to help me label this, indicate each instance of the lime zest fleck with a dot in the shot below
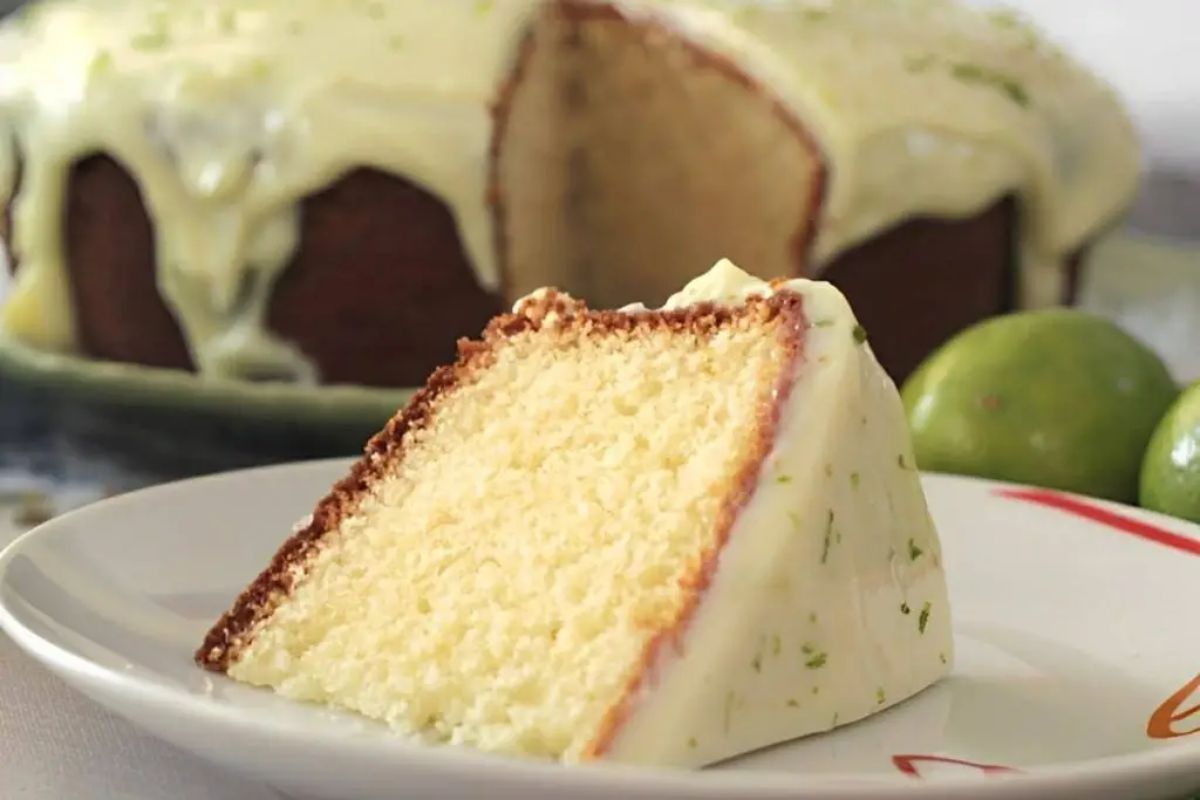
(793, 702)
(914, 552)
(968, 72)
(784, 478)
(923, 619)
(149, 40)
(880, 697)
(919, 62)
(817, 660)
(258, 68)
(692, 743)
(855, 478)
(904, 608)
(860, 334)
(100, 64)
(816, 690)
(1012, 20)
(823, 323)
(828, 537)
(776, 644)
(942, 657)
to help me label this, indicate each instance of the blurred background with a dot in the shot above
(1149, 278)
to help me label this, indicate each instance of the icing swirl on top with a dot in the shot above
(229, 112)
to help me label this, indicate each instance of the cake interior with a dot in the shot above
(627, 156)
(509, 574)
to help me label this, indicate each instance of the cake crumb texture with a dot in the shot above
(504, 579)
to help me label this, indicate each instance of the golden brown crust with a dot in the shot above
(259, 600)
(235, 629)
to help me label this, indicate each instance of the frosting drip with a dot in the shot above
(229, 112)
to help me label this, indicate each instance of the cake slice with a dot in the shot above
(659, 536)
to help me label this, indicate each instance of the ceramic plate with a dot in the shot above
(210, 424)
(1078, 672)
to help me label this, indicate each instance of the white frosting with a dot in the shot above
(804, 626)
(229, 112)
(725, 284)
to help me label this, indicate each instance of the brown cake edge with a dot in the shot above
(235, 629)
(768, 415)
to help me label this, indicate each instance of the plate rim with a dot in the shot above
(1178, 759)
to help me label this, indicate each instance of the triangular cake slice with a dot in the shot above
(660, 536)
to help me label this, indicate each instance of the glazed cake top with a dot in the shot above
(229, 112)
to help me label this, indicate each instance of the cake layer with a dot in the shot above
(658, 536)
(502, 580)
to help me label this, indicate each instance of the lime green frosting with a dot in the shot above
(228, 112)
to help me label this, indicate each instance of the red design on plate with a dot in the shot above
(1104, 516)
(908, 764)
(1162, 721)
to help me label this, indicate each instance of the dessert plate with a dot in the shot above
(1078, 670)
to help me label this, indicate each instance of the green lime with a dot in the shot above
(1171, 471)
(1056, 398)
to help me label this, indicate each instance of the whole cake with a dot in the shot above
(662, 536)
(334, 190)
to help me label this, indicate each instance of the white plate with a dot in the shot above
(1076, 627)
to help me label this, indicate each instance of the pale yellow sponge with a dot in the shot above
(664, 536)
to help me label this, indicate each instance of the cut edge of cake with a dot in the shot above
(384, 450)
(743, 664)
